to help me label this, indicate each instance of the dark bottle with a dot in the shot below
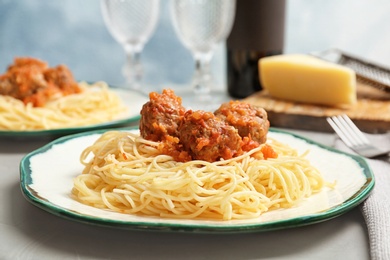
(258, 31)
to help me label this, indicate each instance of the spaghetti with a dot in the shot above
(127, 173)
(96, 103)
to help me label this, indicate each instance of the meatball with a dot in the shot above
(206, 137)
(62, 77)
(250, 121)
(161, 116)
(32, 81)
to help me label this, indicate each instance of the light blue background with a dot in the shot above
(72, 32)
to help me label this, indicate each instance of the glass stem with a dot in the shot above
(202, 78)
(132, 69)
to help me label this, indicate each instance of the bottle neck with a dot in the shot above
(258, 25)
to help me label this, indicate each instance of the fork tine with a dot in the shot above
(347, 130)
(353, 137)
(335, 125)
(360, 137)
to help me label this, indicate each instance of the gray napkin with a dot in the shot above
(376, 208)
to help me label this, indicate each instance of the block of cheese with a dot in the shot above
(307, 79)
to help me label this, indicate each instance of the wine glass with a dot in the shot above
(201, 25)
(131, 23)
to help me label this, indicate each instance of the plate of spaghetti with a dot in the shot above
(196, 171)
(38, 100)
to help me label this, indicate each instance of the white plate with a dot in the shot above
(48, 185)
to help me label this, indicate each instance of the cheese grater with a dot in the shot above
(367, 73)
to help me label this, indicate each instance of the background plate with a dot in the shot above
(132, 99)
(48, 186)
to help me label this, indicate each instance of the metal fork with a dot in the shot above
(353, 137)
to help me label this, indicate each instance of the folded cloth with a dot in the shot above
(376, 208)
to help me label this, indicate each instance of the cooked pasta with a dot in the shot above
(126, 173)
(95, 104)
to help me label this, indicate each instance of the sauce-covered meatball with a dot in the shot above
(33, 81)
(250, 121)
(206, 137)
(161, 116)
(233, 129)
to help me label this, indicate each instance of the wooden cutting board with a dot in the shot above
(371, 113)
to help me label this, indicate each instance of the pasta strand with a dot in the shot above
(95, 104)
(148, 183)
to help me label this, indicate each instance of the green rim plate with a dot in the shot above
(132, 99)
(48, 186)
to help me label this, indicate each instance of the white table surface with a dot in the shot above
(28, 232)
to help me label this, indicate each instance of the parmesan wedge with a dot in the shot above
(303, 78)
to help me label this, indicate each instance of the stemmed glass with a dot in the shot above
(201, 25)
(131, 23)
